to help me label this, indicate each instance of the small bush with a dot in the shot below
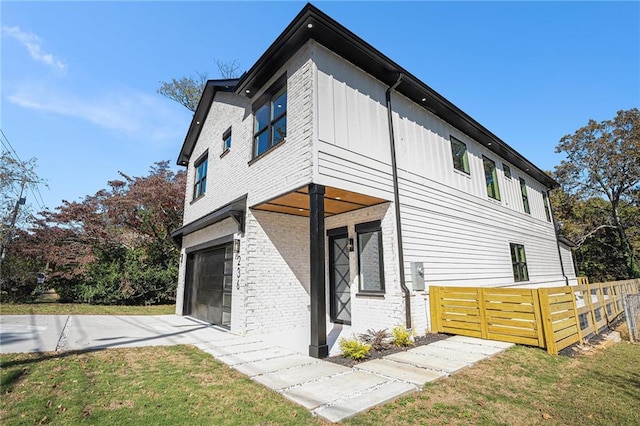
(378, 339)
(401, 337)
(352, 348)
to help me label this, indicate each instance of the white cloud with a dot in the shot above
(131, 112)
(33, 45)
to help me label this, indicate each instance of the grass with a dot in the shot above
(527, 386)
(143, 386)
(56, 308)
(181, 385)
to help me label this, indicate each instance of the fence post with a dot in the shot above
(434, 305)
(550, 340)
(577, 317)
(484, 329)
(538, 318)
(593, 310)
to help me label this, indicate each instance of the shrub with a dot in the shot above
(354, 349)
(378, 339)
(401, 337)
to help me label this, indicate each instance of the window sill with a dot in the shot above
(372, 295)
(225, 152)
(196, 199)
(273, 148)
(461, 173)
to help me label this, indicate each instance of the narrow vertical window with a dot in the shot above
(491, 178)
(270, 123)
(460, 155)
(370, 262)
(507, 171)
(200, 177)
(547, 210)
(519, 262)
(525, 197)
(226, 140)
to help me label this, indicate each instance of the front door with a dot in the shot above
(209, 278)
(339, 277)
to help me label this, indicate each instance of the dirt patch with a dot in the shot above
(116, 405)
(376, 354)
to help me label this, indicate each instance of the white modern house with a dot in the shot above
(328, 188)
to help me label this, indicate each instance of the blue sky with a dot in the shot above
(79, 79)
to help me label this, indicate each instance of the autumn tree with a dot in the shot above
(115, 246)
(187, 90)
(603, 163)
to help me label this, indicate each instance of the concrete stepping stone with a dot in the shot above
(466, 347)
(256, 368)
(298, 375)
(440, 352)
(387, 392)
(482, 342)
(241, 358)
(233, 341)
(314, 394)
(237, 349)
(401, 371)
(427, 361)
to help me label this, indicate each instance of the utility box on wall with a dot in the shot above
(417, 276)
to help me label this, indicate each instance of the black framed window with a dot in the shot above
(460, 155)
(491, 178)
(370, 260)
(270, 123)
(547, 211)
(519, 262)
(200, 176)
(507, 171)
(525, 197)
(226, 140)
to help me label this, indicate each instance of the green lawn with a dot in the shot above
(55, 308)
(182, 385)
(177, 385)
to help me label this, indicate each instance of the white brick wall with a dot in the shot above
(277, 280)
(286, 168)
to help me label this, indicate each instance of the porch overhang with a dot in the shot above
(336, 201)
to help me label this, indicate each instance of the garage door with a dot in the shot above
(209, 279)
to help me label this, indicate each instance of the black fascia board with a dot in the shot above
(200, 115)
(338, 39)
(235, 210)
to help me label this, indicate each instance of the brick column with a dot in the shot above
(318, 347)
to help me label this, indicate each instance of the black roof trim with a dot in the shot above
(567, 242)
(235, 210)
(200, 115)
(312, 23)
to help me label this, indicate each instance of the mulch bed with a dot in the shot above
(375, 354)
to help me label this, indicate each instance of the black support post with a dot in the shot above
(318, 347)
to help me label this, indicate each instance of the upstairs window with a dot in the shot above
(547, 210)
(507, 171)
(270, 126)
(200, 177)
(525, 198)
(226, 140)
(519, 262)
(491, 178)
(460, 156)
(370, 262)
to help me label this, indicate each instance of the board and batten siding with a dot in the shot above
(448, 222)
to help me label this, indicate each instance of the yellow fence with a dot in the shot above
(551, 318)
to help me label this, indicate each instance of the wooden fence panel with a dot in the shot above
(561, 327)
(513, 315)
(457, 310)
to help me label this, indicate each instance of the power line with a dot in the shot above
(17, 157)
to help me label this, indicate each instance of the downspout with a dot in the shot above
(555, 230)
(396, 201)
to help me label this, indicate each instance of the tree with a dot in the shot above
(187, 90)
(603, 160)
(115, 246)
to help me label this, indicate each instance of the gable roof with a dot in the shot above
(312, 23)
(200, 115)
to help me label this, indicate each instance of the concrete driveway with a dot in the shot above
(48, 333)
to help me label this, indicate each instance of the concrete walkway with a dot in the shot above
(335, 392)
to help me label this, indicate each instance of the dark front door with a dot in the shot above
(209, 278)
(339, 278)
